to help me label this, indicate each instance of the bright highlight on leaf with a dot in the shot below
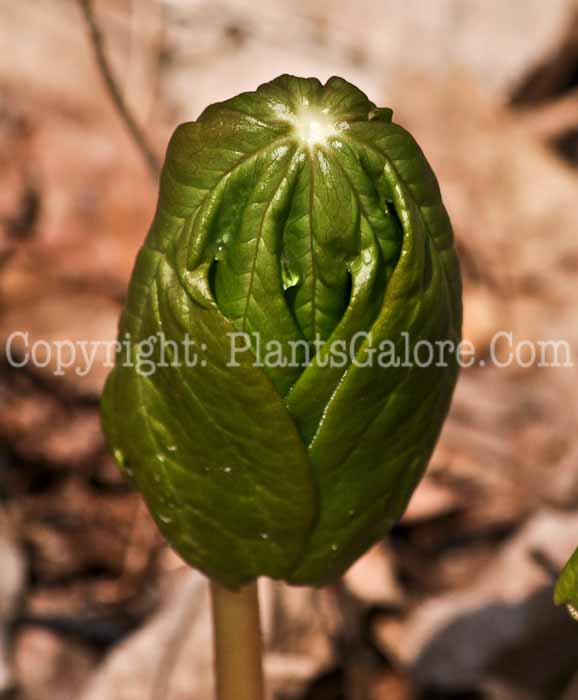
(292, 221)
(314, 127)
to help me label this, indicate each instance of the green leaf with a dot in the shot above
(566, 591)
(301, 215)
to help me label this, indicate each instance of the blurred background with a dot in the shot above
(457, 602)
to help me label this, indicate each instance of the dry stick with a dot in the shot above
(238, 643)
(118, 100)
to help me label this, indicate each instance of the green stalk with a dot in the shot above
(238, 644)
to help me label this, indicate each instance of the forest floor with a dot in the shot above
(457, 601)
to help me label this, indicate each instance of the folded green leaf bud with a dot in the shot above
(299, 271)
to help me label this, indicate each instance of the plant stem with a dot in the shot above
(238, 644)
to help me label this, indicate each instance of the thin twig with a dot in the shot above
(116, 96)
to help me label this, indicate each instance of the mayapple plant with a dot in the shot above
(566, 590)
(297, 221)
